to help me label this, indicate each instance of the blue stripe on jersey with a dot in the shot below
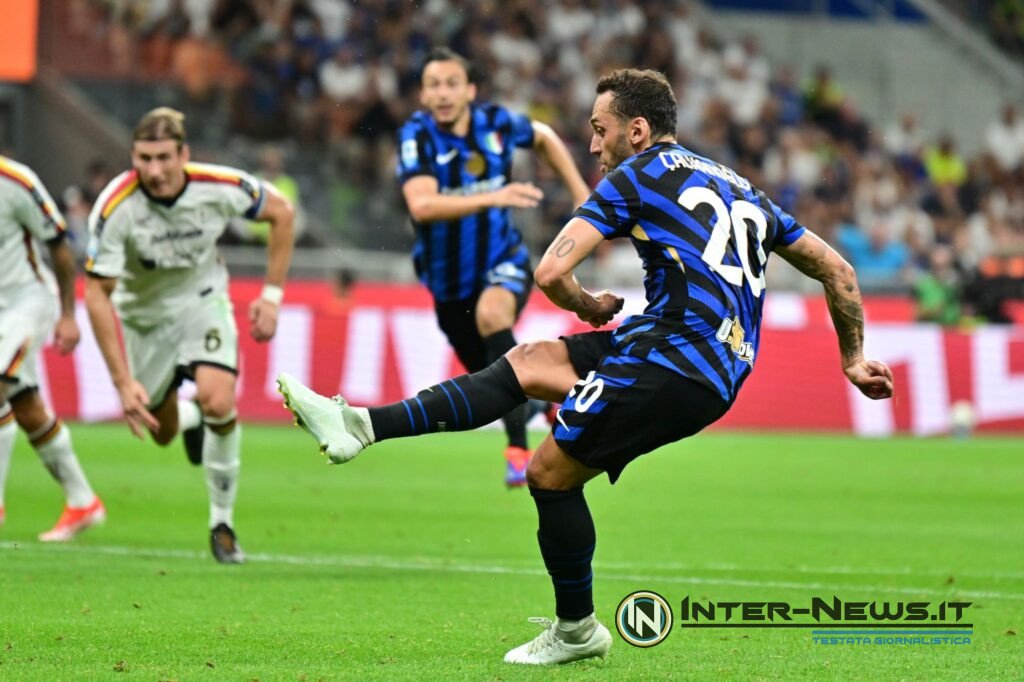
(617, 201)
(453, 256)
(687, 306)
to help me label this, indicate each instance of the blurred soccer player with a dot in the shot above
(29, 306)
(704, 235)
(455, 166)
(153, 257)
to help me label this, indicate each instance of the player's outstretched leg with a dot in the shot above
(458, 404)
(517, 452)
(341, 430)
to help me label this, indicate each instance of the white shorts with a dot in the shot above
(160, 357)
(24, 328)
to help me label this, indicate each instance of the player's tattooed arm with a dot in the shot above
(812, 256)
(555, 275)
(818, 260)
(562, 246)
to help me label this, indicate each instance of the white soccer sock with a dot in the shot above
(53, 444)
(575, 631)
(189, 416)
(8, 431)
(222, 460)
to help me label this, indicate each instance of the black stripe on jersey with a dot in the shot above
(452, 235)
(645, 344)
(728, 297)
(423, 145)
(483, 218)
(703, 347)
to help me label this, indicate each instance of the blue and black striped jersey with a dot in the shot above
(452, 256)
(704, 235)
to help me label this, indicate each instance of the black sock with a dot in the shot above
(496, 345)
(458, 404)
(566, 537)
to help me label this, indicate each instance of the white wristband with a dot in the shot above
(272, 293)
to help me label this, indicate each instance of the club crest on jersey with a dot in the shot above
(475, 165)
(731, 332)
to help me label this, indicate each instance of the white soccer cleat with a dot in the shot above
(339, 428)
(550, 647)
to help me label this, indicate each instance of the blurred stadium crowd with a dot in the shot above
(310, 93)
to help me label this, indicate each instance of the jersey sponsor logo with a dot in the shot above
(476, 187)
(443, 159)
(732, 333)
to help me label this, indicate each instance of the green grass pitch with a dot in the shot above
(414, 562)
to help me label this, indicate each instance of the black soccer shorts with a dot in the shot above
(624, 407)
(457, 319)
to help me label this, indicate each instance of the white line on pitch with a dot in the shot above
(449, 566)
(821, 570)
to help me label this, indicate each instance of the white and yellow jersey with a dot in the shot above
(164, 254)
(28, 217)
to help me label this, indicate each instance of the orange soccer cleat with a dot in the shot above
(74, 520)
(515, 472)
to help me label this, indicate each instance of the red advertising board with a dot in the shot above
(382, 344)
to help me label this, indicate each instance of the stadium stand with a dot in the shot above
(327, 83)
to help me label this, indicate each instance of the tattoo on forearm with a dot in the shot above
(848, 318)
(562, 247)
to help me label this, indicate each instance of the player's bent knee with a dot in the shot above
(29, 411)
(543, 369)
(217, 406)
(490, 322)
(542, 476)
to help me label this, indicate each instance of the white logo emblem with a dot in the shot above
(442, 159)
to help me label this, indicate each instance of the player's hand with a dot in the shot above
(133, 401)
(263, 316)
(604, 307)
(518, 195)
(873, 378)
(66, 334)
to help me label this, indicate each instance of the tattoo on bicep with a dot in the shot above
(562, 247)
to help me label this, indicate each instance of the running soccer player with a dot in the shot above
(704, 235)
(29, 306)
(455, 167)
(152, 257)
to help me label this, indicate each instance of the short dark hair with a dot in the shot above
(642, 93)
(447, 54)
(162, 123)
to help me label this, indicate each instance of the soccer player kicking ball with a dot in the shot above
(704, 235)
(455, 166)
(153, 258)
(28, 309)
